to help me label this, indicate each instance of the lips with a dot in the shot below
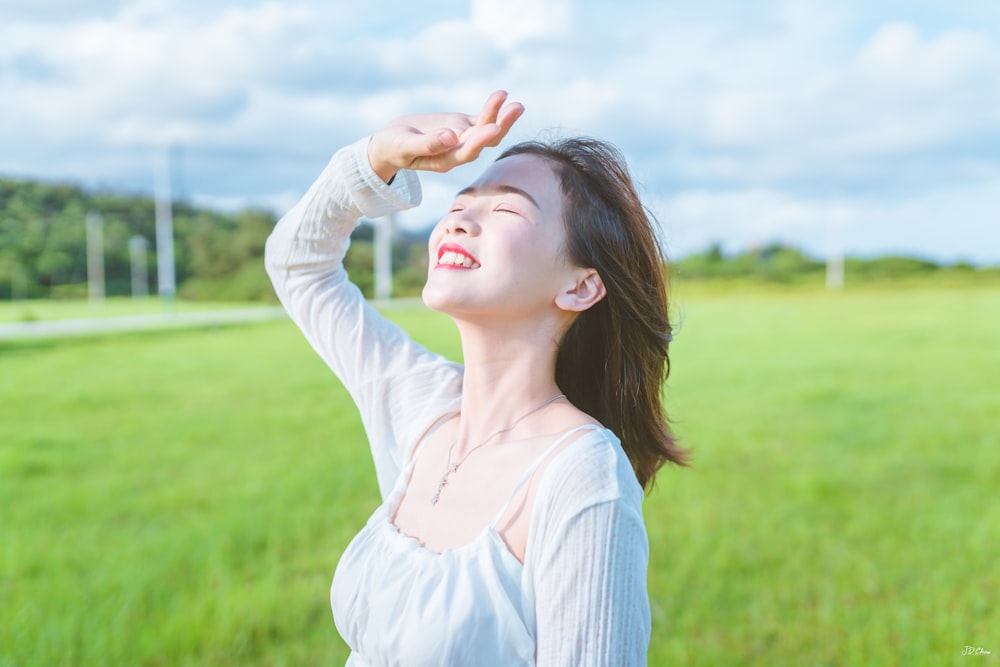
(452, 255)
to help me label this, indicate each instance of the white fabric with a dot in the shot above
(580, 596)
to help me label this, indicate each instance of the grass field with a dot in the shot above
(182, 498)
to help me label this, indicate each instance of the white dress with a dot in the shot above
(580, 596)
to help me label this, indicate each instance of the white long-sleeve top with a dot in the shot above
(579, 598)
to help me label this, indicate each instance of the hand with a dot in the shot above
(441, 141)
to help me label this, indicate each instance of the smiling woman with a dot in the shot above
(511, 528)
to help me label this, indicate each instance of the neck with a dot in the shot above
(509, 371)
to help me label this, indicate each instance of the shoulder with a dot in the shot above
(592, 469)
(588, 508)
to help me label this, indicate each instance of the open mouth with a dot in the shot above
(452, 255)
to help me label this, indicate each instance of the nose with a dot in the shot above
(461, 222)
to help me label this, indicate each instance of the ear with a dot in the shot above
(586, 290)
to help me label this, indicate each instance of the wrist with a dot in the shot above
(382, 169)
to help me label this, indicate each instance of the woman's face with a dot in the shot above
(500, 249)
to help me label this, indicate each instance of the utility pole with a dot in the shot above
(384, 230)
(838, 217)
(835, 270)
(95, 259)
(166, 280)
(138, 246)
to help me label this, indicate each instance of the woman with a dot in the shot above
(511, 527)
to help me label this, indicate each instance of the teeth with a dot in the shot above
(458, 259)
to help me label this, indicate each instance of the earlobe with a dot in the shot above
(587, 290)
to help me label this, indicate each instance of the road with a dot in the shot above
(101, 325)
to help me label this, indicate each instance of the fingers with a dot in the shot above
(491, 109)
(507, 117)
(491, 126)
(412, 145)
(440, 142)
(475, 140)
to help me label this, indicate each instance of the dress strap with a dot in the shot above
(534, 466)
(406, 471)
(419, 445)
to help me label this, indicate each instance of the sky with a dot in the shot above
(865, 127)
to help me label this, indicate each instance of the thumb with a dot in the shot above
(441, 141)
(413, 145)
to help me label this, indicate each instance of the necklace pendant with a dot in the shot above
(443, 482)
(452, 467)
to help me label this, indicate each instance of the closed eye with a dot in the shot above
(501, 209)
(500, 188)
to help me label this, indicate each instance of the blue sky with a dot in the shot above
(873, 127)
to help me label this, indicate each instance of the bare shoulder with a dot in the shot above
(593, 467)
(579, 468)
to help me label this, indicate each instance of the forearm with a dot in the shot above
(309, 242)
(304, 258)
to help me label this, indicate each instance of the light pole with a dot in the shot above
(165, 277)
(95, 259)
(384, 229)
(138, 246)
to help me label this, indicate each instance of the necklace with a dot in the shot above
(452, 467)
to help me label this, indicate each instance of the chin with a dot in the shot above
(443, 301)
(438, 294)
(433, 299)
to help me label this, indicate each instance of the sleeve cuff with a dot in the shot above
(373, 196)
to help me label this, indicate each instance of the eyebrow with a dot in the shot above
(499, 187)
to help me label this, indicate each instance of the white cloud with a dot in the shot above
(743, 121)
(737, 218)
(900, 93)
(510, 23)
(451, 49)
(952, 224)
(147, 74)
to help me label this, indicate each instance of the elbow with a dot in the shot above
(276, 262)
(275, 259)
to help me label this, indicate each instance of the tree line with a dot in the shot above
(219, 256)
(777, 263)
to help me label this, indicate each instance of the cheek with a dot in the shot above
(548, 249)
(433, 241)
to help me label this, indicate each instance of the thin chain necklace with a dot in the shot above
(452, 467)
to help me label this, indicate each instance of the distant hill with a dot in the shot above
(778, 263)
(219, 256)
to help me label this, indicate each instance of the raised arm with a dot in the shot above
(397, 384)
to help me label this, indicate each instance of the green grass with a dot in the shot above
(182, 498)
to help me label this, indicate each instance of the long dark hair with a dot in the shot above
(613, 360)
